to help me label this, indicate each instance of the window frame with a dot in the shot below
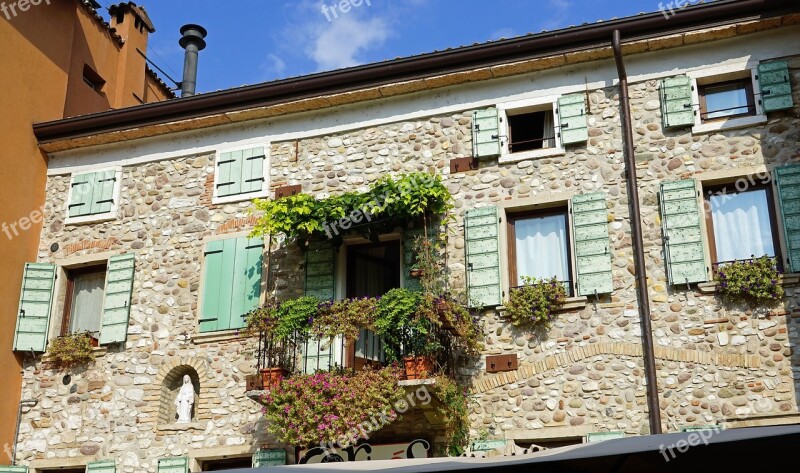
(560, 208)
(100, 217)
(721, 74)
(71, 274)
(263, 193)
(712, 189)
(519, 107)
(751, 102)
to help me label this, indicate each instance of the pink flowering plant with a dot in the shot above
(754, 282)
(327, 408)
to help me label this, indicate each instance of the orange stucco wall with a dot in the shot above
(43, 52)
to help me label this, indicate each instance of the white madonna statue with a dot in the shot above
(184, 401)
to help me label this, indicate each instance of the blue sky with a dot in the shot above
(252, 41)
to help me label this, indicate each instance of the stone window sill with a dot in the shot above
(731, 124)
(215, 337)
(99, 352)
(571, 303)
(533, 154)
(786, 280)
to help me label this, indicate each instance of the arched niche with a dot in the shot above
(170, 386)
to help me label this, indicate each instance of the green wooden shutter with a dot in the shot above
(249, 261)
(13, 469)
(485, 133)
(35, 302)
(229, 174)
(252, 170)
(80, 200)
(684, 250)
(483, 257)
(218, 266)
(269, 457)
(572, 118)
(788, 181)
(776, 86)
(676, 102)
(117, 302)
(173, 465)
(592, 245)
(321, 271)
(103, 192)
(103, 466)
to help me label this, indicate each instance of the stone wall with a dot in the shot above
(585, 373)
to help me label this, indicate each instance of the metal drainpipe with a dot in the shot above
(653, 406)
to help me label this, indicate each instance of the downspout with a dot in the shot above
(22, 403)
(653, 407)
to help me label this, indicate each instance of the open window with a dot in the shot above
(531, 129)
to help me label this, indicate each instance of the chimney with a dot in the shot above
(192, 41)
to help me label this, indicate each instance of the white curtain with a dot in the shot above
(549, 132)
(87, 303)
(541, 246)
(742, 226)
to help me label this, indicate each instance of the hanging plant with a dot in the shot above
(534, 304)
(71, 350)
(753, 282)
(344, 317)
(454, 414)
(388, 203)
(328, 408)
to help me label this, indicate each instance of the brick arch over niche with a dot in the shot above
(170, 380)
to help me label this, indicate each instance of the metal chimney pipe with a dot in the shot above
(192, 40)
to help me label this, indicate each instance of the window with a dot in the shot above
(93, 196)
(231, 282)
(93, 79)
(741, 224)
(83, 306)
(729, 99)
(539, 246)
(226, 464)
(372, 270)
(531, 130)
(240, 175)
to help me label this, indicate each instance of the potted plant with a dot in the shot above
(753, 282)
(535, 303)
(71, 350)
(328, 408)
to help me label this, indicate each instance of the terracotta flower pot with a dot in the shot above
(271, 377)
(418, 367)
(441, 310)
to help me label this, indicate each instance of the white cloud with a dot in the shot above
(339, 43)
(503, 33)
(560, 10)
(273, 67)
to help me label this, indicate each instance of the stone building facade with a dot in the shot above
(717, 364)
